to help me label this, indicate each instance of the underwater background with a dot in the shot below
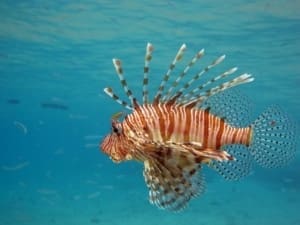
(55, 60)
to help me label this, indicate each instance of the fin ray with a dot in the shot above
(183, 73)
(202, 72)
(201, 97)
(148, 57)
(118, 66)
(221, 76)
(177, 58)
(116, 98)
(173, 178)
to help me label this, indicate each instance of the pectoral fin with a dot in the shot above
(173, 178)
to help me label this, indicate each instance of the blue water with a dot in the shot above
(59, 53)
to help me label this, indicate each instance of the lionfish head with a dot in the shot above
(114, 143)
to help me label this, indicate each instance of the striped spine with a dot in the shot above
(180, 97)
(201, 97)
(183, 73)
(148, 57)
(198, 75)
(177, 58)
(199, 88)
(118, 66)
(111, 94)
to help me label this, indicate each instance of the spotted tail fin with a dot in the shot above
(274, 138)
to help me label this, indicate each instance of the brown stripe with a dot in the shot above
(146, 126)
(235, 135)
(170, 117)
(129, 120)
(243, 138)
(249, 136)
(177, 122)
(187, 122)
(154, 128)
(143, 121)
(241, 135)
(220, 132)
(107, 145)
(205, 129)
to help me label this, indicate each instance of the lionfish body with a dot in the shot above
(177, 133)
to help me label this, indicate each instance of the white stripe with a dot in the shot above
(173, 137)
(210, 131)
(215, 131)
(155, 124)
(200, 127)
(192, 131)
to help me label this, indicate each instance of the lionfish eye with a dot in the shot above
(116, 128)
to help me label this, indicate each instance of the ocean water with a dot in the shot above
(55, 60)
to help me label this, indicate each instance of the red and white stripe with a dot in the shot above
(178, 124)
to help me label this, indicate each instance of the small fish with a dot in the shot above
(13, 101)
(21, 126)
(54, 105)
(183, 129)
(16, 167)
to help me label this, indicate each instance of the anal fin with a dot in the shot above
(235, 169)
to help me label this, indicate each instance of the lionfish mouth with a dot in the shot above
(104, 146)
(114, 153)
(115, 160)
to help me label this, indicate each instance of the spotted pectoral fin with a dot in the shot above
(173, 178)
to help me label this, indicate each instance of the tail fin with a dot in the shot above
(274, 138)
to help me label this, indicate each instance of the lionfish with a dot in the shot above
(181, 130)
